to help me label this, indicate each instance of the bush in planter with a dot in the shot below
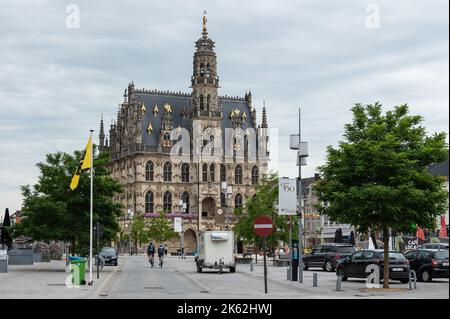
(44, 250)
(55, 252)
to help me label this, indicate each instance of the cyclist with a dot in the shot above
(161, 254)
(151, 253)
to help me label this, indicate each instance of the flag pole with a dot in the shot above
(91, 211)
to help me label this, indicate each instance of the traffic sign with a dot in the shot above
(263, 226)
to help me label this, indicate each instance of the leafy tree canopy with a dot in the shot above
(54, 212)
(378, 178)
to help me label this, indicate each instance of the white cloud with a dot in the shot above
(55, 82)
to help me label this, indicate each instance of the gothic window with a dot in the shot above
(255, 175)
(238, 174)
(167, 136)
(223, 173)
(167, 172)
(185, 173)
(202, 106)
(223, 200)
(167, 200)
(149, 171)
(205, 172)
(212, 172)
(149, 203)
(238, 200)
(208, 102)
(202, 69)
(185, 199)
(208, 70)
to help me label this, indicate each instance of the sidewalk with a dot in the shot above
(46, 280)
(354, 287)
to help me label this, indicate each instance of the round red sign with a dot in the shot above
(263, 226)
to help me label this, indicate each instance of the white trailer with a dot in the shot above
(216, 251)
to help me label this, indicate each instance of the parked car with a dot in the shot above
(434, 246)
(109, 254)
(428, 263)
(326, 256)
(355, 265)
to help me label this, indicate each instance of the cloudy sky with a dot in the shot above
(322, 55)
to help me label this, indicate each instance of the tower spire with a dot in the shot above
(264, 116)
(205, 32)
(101, 136)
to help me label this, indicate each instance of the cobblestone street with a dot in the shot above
(178, 279)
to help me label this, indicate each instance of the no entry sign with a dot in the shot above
(263, 226)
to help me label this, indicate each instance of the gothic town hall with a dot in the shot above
(203, 190)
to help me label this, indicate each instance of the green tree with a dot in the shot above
(54, 212)
(160, 229)
(139, 232)
(377, 179)
(263, 203)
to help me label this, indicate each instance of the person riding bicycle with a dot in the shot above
(161, 254)
(151, 252)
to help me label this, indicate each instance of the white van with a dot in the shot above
(216, 251)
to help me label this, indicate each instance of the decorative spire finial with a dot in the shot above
(204, 22)
(264, 116)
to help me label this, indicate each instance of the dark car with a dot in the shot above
(326, 256)
(355, 266)
(110, 256)
(434, 246)
(428, 264)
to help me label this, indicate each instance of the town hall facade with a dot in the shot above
(146, 158)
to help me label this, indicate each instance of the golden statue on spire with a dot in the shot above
(204, 21)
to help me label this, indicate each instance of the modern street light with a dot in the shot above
(302, 152)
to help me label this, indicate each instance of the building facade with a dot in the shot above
(194, 155)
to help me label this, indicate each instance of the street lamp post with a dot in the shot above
(302, 149)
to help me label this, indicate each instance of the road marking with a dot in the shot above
(258, 226)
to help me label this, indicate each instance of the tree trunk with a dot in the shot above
(386, 257)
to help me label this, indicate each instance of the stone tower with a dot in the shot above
(205, 81)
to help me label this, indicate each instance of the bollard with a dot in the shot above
(289, 274)
(338, 283)
(412, 275)
(315, 279)
(251, 265)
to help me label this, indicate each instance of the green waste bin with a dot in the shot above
(78, 270)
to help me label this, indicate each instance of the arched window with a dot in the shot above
(223, 200)
(167, 200)
(205, 172)
(208, 70)
(238, 174)
(202, 103)
(223, 173)
(185, 198)
(202, 70)
(185, 173)
(238, 201)
(208, 102)
(255, 175)
(167, 136)
(212, 173)
(149, 171)
(167, 172)
(149, 202)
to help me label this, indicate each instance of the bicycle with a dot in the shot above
(151, 259)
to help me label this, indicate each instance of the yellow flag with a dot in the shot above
(85, 163)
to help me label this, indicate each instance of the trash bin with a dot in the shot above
(78, 270)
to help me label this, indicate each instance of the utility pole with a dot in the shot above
(300, 226)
